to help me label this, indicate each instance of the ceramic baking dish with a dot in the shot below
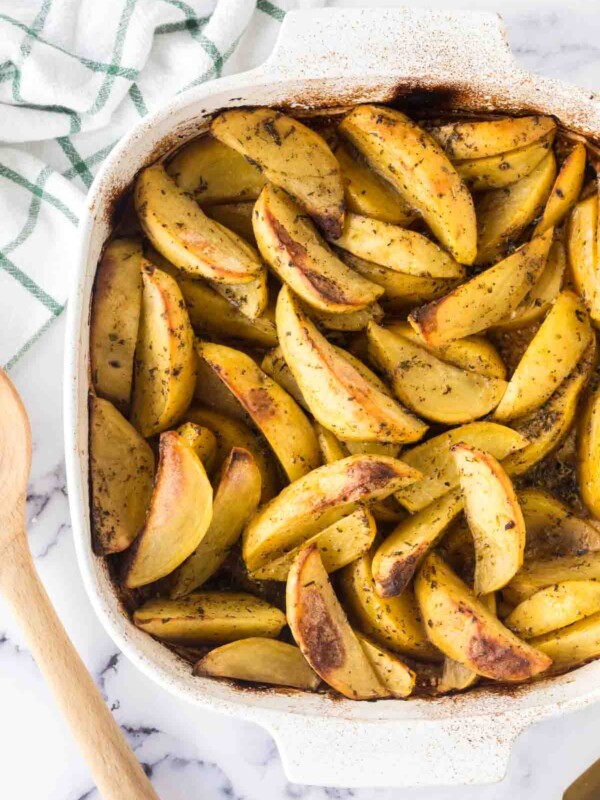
(328, 58)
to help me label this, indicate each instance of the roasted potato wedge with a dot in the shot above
(483, 138)
(463, 628)
(536, 575)
(209, 618)
(202, 441)
(583, 252)
(250, 299)
(237, 217)
(393, 673)
(236, 499)
(259, 660)
(290, 156)
(353, 321)
(569, 647)
(165, 361)
(121, 476)
(116, 309)
(566, 189)
(331, 447)
(323, 633)
(495, 172)
(179, 515)
(554, 607)
(417, 167)
(319, 499)
(588, 452)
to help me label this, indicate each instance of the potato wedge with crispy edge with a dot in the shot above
(569, 647)
(210, 391)
(430, 387)
(494, 516)
(417, 167)
(482, 138)
(554, 607)
(202, 441)
(178, 517)
(209, 618)
(496, 172)
(274, 412)
(393, 673)
(400, 554)
(566, 189)
(236, 499)
(317, 500)
(353, 321)
(367, 194)
(115, 317)
(121, 477)
(536, 575)
(550, 357)
(339, 544)
(485, 299)
(396, 248)
(165, 360)
(583, 252)
(335, 392)
(588, 454)
(185, 236)
(290, 156)
(322, 631)
(434, 459)
(394, 622)
(463, 628)
(259, 660)
(237, 217)
(502, 214)
(293, 248)
(215, 173)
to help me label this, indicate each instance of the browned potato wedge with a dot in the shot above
(566, 189)
(335, 392)
(396, 248)
(202, 441)
(236, 499)
(121, 476)
(394, 623)
(237, 217)
(250, 299)
(275, 413)
(432, 388)
(290, 156)
(210, 391)
(569, 647)
(354, 321)
(495, 172)
(463, 628)
(393, 673)
(555, 607)
(494, 516)
(215, 173)
(259, 660)
(178, 517)
(584, 254)
(588, 454)
(323, 633)
(484, 300)
(480, 139)
(537, 575)
(116, 308)
(165, 361)
(416, 166)
(434, 459)
(399, 555)
(293, 248)
(319, 499)
(551, 356)
(209, 618)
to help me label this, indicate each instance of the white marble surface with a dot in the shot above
(191, 753)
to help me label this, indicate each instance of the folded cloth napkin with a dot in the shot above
(75, 75)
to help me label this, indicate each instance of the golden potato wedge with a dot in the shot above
(494, 516)
(502, 214)
(482, 138)
(115, 317)
(165, 361)
(399, 555)
(290, 156)
(571, 646)
(259, 660)
(376, 448)
(335, 392)
(121, 477)
(367, 194)
(432, 388)
(396, 248)
(209, 618)
(215, 173)
(178, 517)
(237, 217)
(353, 321)
(276, 367)
(588, 454)
(536, 575)
(250, 299)
(463, 628)
(210, 391)
(185, 236)
(331, 447)
(273, 411)
(394, 623)
(555, 607)
(550, 357)
(495, 172)
(436, 463)
(393, 673)
(235, 501)
(317, 500)
(484, 300)
(566, 189)
(583, 253)
(416, 166)
(202, 441)
(339, 544)
(293, 248)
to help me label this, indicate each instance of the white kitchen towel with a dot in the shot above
(75, 75)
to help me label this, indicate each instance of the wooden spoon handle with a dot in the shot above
(114, 767)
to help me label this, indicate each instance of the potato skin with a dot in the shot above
(485, 138)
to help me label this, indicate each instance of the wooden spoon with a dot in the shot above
(113, 765)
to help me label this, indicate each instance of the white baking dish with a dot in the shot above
(325, 58)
